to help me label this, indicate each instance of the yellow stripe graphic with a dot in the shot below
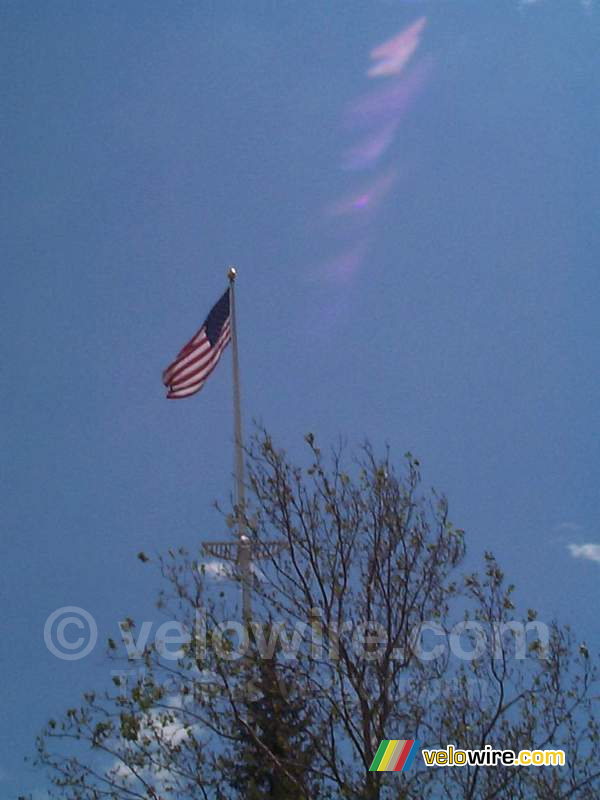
(387, 755)
(395, 755)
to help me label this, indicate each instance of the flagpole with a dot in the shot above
(244, 543)
(243, 552)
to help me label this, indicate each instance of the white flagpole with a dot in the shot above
(244, 554)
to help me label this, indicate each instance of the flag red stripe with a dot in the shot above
(403, 755)
(193, 341)
(196, 360)
(193, 368)
(184, 392)
(189, 359)
(178, 392)
(196, 368)
(196, 363)
(202, 346)
(187, 391)
(196, 375)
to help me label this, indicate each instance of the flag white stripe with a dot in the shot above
(197, 382)
(198, 369)
(202, 345)
(193, 369)
(192, 388)
(186, 392)
(197, 375)
(192, 365)
(176, 371)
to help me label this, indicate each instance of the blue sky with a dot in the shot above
(442, 297)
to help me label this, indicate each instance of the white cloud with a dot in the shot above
(171, 734)
(219, 570)
(222, 570)
(586, 4)
(591, 552)
(571, 527)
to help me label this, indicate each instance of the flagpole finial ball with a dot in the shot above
(231, 273)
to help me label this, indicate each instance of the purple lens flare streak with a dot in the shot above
(375, 118)
(344, 266)
(367, 153)
(394, 54)
(369, 197)
(390, 103)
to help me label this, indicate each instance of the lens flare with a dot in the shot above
(346, 264)
(390, 104)
(394, 54)
(370, 150)
(369, 198)
(373, 120)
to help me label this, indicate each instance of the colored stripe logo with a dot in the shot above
(395, 755)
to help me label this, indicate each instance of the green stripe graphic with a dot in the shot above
(379, 755)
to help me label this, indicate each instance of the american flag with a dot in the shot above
(194, 363)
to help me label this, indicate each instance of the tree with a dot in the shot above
(364, 628)
(276, 713)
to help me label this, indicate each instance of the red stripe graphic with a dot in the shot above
(404, 755)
